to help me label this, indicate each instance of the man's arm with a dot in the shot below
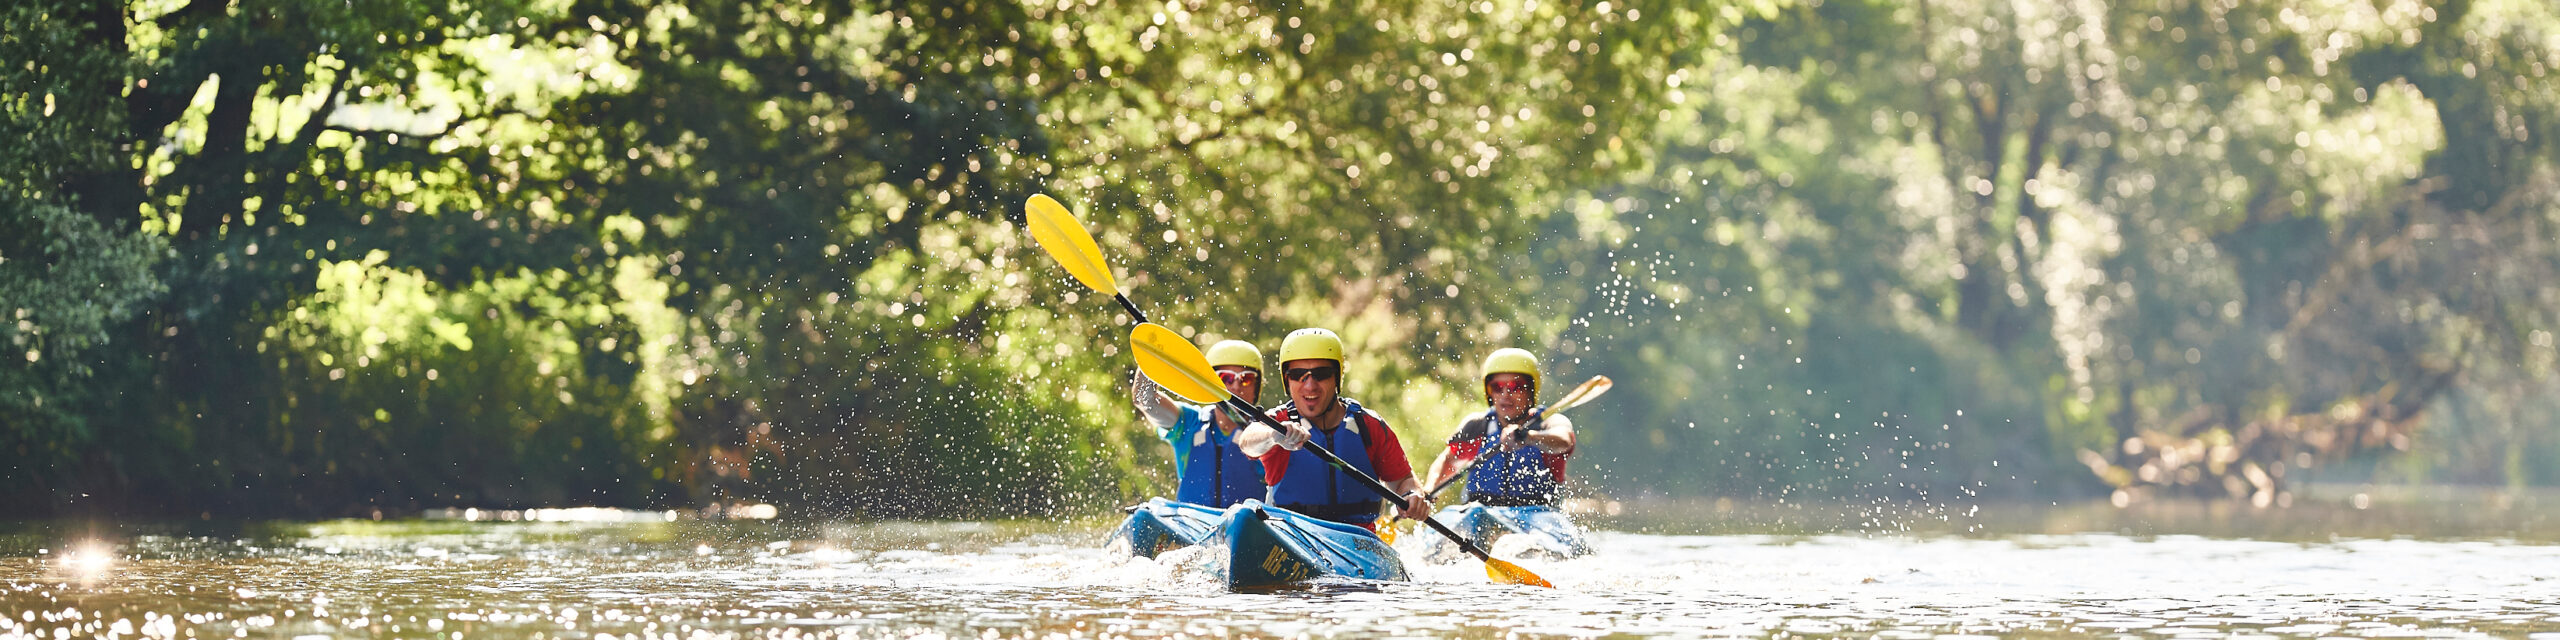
(1386, 454)
(1555, 435)
(1441, 466)
(1463, 448)
(1152, 404)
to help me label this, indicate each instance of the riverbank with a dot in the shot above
(2319, 513)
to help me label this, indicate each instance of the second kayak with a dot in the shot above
(1546, 531)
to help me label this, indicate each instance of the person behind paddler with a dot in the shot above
(1311, 367)
(1523, 460)
(1213, 472)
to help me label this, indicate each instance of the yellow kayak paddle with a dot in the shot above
(1063, 236)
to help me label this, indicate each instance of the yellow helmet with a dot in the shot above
(1511, 360)
(1311, 344)
(1236, 353)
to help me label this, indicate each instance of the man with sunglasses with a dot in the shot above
(1523, 455)
(1311, 361)
(1214, 472)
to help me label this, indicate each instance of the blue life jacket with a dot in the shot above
(1317, 489)
(1216, 473)
(1509, 478)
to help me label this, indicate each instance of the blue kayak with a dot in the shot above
(1162, 525)
(1270, 547)
(1548, 531)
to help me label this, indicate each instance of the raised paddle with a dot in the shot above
(1064, 237)
(1178, 366)
(1591, 388)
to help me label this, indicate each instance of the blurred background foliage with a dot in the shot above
(322, 258)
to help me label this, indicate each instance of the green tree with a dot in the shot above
(2189, 244)
(322, 258)
(68, 276)
(525, 254)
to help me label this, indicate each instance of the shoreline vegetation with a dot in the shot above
(2388, 513)
(303, 259)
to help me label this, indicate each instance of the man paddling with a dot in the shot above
(1523, 461)
(1214, 472)
(1311, 365)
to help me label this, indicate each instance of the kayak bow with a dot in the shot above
(1270, 547)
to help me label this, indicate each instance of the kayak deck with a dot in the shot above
(1269, 547)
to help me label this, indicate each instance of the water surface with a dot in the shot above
(1028, 579)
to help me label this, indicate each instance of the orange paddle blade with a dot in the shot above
(1507, 573)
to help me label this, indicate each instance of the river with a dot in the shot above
(2061, 571)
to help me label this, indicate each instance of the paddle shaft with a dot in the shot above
(1365, 479)
(1132, 307)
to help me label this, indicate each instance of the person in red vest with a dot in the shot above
(1520, 458)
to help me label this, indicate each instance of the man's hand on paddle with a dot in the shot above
(1295, 436)
(1416, 506)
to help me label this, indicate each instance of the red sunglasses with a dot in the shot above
(1507, 386)
(1230, 377)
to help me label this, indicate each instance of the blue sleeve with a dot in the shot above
(1186, 422)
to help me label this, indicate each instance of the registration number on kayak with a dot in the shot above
(1280, 565)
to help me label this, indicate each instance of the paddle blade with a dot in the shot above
(1507, 573)
(1175, 364)
(1064, 237)
(1590, 389)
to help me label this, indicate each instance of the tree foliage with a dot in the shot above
(306, 257)
(2192, 246)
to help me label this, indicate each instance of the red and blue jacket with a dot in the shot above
(1316, 489)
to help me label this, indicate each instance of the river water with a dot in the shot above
(2059, 572)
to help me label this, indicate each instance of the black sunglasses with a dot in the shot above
(1320, 374)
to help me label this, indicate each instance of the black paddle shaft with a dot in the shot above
(1363, 477)
(1132, 307)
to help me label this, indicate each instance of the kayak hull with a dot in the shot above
(1547, 532)
(1269, 547)
(1161, 525)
